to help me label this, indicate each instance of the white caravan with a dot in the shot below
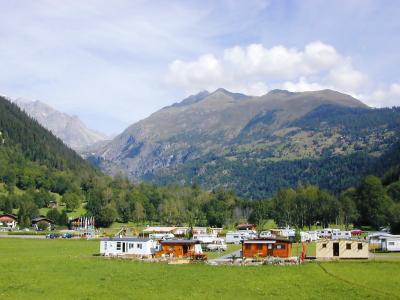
(337, 235)
(236, 237)
(205, 238)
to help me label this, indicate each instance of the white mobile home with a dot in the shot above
(205, 238)
(391, 243)
(375, 239)
(309, 236)
(123, 246)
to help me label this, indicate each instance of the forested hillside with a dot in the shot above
(256, 145)
(37, 169)
(332, 146)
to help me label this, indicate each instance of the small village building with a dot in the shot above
(342, 249)
(215, 231)
(391, 243)
(181, 231)
(42, 221)
(246, 227)
(8, 221)
(199, 230)
(267, 247)
(52, 204)
(128, 246)
(181, 249)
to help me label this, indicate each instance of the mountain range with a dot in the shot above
(70, 129)
(254, 145)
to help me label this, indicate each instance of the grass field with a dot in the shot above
(67, 269)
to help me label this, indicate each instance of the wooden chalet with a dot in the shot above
(42, 220)
(181, 249)
(267, 247)
(8, 220)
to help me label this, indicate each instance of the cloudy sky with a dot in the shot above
(115, 62)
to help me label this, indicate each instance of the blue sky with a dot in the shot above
(113, 63)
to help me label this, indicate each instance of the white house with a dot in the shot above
(133, 246)
(391, 243)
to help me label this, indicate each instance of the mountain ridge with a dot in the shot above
(68, 128)
(223, 125)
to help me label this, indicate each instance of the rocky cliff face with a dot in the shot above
(70, 129)
(217, 124)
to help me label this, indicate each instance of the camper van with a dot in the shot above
(336, 235)
(238, 236)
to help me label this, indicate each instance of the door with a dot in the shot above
(335, 249)
(270, 250)
(123, 247)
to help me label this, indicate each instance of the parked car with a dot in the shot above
(217, 245)
(52, 236)
(67, 236)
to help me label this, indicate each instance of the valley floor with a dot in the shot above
(69, 269)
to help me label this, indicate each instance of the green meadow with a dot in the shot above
(69, 269)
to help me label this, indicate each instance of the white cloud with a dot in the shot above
(254, 67)
(386, 96)
(302, 85)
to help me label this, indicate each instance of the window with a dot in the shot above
(235, 236)
(348, 246)
(359, 246)
(391, 243)
(131, 245)
(139, 245)
(259, 246)
(270, 246)
(118, 245)
(280, 246)
(323, 245)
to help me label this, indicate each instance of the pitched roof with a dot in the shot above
(127, 239)
(9, 215)
(38, 219)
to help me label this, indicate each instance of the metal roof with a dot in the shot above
(127, 239)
